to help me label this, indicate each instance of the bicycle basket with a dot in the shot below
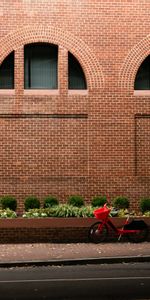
(102, 213)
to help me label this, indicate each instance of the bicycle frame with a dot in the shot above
(118, 231)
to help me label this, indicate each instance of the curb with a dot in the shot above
(69, 262)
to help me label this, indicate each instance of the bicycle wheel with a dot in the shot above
(138, 237)
(95, 235)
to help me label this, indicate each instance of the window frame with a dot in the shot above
(34, 45)
(142, 72)
(11, 70)
(78, 68)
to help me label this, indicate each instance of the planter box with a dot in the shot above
(46, 222)
(58, 230)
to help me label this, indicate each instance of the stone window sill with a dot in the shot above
(78, 92)
(142, 93)
(37, 92)
(8, 92)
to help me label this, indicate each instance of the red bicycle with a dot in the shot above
(136, 230)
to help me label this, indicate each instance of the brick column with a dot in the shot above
(19, 79)
(63, 71)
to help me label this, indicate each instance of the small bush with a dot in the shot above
(9, 202)
(121, 202)
(50, 201)
(31, 202)
(145, 205)
(98, 201)
(76, 200)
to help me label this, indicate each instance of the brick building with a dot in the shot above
(74, 98)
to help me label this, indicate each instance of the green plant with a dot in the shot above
(31, 202)
(98, 201)
(147, 214)
(50, 201)
(123, 213)
(76, 200)
(145, 205)
(60, 211)
(35, 213)
(65, 211)
(7, 213)
(85, 212)
(8, 201)
(121, 202)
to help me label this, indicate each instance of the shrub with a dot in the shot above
(50, 201)
(76, 200)
(31, 202)
(121, 202)
(98, 201)
(145, 205)
(9, 202)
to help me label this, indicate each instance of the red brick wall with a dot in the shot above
(99, 141)
(58, 230)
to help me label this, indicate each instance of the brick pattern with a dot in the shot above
(92, 145)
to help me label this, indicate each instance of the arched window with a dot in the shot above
(40, 66)
(7, 72)
(76, 75)
(142, 80)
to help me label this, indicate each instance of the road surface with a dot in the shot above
(112, 282)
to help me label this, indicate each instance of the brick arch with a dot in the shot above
(132, 63)
(52, 35)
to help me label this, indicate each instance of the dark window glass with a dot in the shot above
(142, 80)
(40, 66)
(7, 72)
(76, 75)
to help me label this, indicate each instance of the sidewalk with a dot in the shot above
(74, 253)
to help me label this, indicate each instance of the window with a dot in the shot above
(142, 80)
(76, 75)
(40, 66)
(7, 72)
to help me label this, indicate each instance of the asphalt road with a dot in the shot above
(111, 282)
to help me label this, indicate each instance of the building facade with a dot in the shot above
(75, 98)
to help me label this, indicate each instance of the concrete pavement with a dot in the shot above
(73, 253)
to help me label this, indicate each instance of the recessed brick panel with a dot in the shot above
(143, 146)
(43, 147)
